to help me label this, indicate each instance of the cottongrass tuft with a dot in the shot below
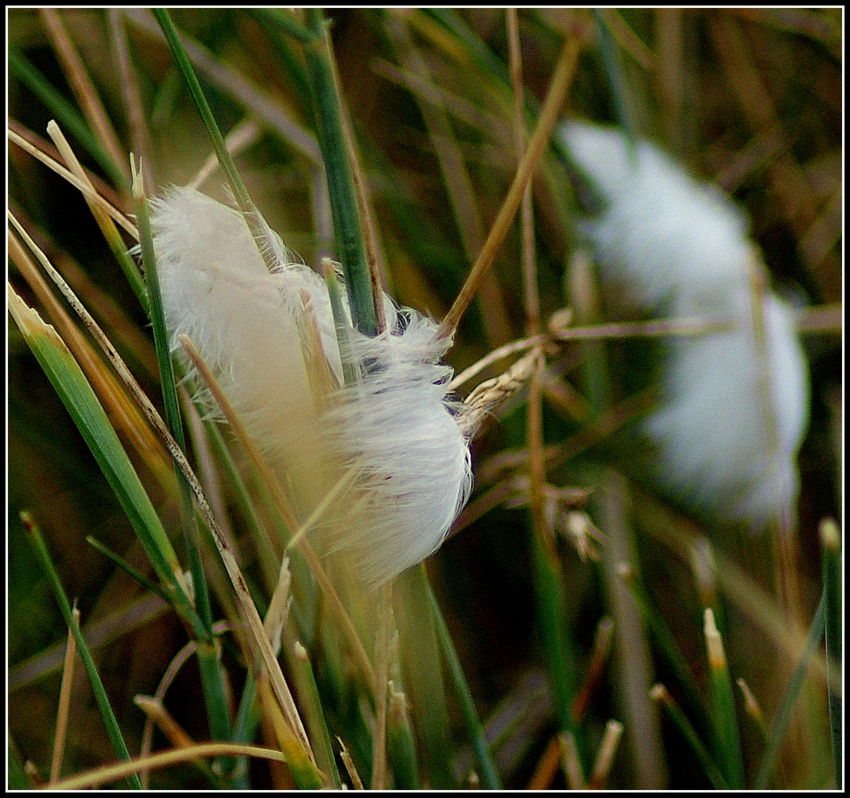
(391, 433)
(736, 402)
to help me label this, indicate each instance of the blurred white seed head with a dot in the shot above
(393, 431)
(734, 410)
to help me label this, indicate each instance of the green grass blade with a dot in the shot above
(311, 705)
(106, 224)
(282, 28)
(616, 81)
(125, 566)
(212, 676)
(727, 733)
(667, 645)
(17, 778)
(450, 19)
(256, 100)
(234, 179)
(661, 694)
(401, 743)
(91, 420)
(111, 723)
(341, 326)
(344, 207)
(170, 398)
(792, 693)
(489, 774)
(550, 605)
(283, 20)
(62, 110)
(423, 676)
(244, 728)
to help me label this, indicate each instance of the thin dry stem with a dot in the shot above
(570, 761)
(467, 215)
(240, 138)
(64, 708)
(595, 669)
(548, 117)
(547, 767)
(112, 773)
(787, 179)
(84, 188)
(382, 658)
(738, 587)
(349, 765)
(233, 83)
(104, 222)
(177, 662)
(529, 262)
(124, 413)
(634, 666)
(284, 506)
(628, 39)
(537, 469)
(605, 755)
(670, 77)
(751, 704)
(279, 604)
(139, 138)
(82, 87)
(493, 357)
(158, 714)
(714, 642)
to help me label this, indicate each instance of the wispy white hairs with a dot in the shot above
(734, 411)
(392, 432)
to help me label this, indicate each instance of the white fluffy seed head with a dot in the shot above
(393, 431)
(734, 413)
(662, 233)
(725, 447)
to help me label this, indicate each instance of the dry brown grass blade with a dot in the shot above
(467, 215)
(382, 649)
(529, 261)
(628, 39)
(123, 412)
(259, 640)
(548, 117)
(113, 773)
(159, 715)
(139, 137)
(83, 88)
(64, 706)
(284, 505)
(670, 77)
(787, 178)
(36, 147)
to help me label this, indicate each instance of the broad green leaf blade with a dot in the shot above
(91, 420)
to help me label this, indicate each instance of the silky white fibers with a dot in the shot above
(665, 234)
(722, 448)
(392, 433)
(678, 247)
